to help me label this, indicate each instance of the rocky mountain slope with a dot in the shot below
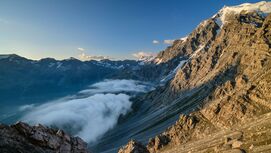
(227, 72)
(23, 138)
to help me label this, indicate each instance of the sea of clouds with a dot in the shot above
(91, 115)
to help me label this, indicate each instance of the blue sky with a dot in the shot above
(114, 28)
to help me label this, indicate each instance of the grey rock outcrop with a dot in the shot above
(24, 138)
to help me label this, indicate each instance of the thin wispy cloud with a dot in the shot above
(81, 49)
(155, 42)
(169, 41)
(85, 57)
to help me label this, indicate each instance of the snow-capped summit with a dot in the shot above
(260, 7)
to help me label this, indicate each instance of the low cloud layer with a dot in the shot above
(115, 86)
(88, 116)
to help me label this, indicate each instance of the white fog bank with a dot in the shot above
(89, 117)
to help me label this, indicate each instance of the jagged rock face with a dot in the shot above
(236, 67)
(203, 34)
(21, 137)
(251, 55)
(168, 59)
(172, 135)
(231, 62)
(133, 147)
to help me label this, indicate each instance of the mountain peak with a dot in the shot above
(8, 55)
(262, 7)
(12, 57)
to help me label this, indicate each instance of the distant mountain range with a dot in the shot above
(21, 77)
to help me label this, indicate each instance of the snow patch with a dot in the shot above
(203, 23)
(158, 61)
(51, 64)
(197, 51)
(184, 38)
(142, 63)
(260, 7)
(172, 73)
(218, 21)
(59, 64)
(120, 67)
(218, 31)
(109, 65)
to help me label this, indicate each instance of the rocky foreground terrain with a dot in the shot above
(227, 57)
(251, 136)
(24, 138)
